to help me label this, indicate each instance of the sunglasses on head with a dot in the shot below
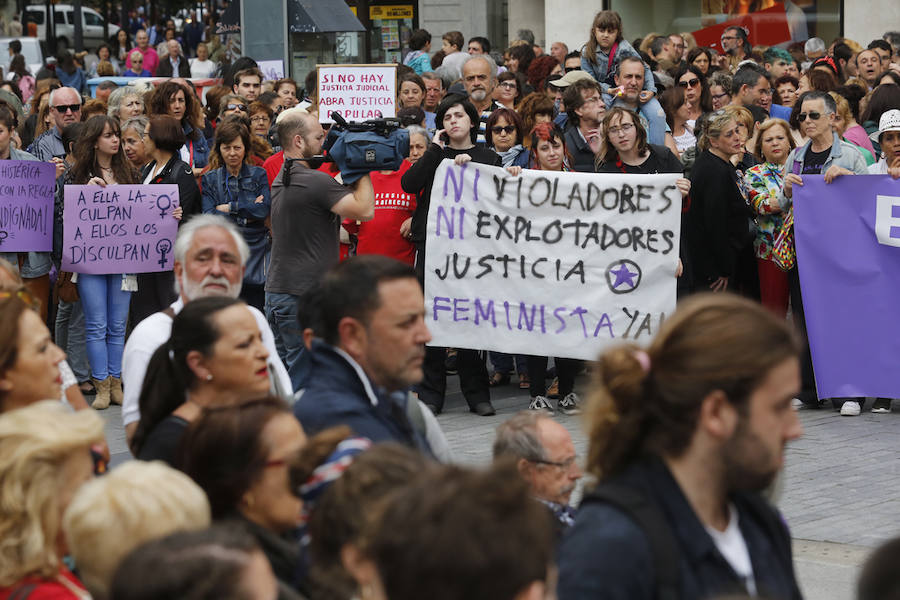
(242, 107)
(689, 83)
(64, 108)
(507, 129)
(815, 116)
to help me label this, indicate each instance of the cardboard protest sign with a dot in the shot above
(119, 228)
(549, 263)
(26, 205)
(847, 235)
(357, 92)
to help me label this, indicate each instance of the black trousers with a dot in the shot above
(566, 370)
(470, 364)
(156, 291)
(808, 392)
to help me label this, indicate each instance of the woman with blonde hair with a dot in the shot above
(45, 456)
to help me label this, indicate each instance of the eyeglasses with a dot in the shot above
(507, 129)
(729, 37)
(624, 128)
(689, 83)
(720, 96)
(64, 108)
(242, 107)
(564, 465)
(259, 119)
(22, 295)
(509, 85)
(815, 116)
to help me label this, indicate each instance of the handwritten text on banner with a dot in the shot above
(357, 92)
(555, 264)
(26, 205)
(119, 228)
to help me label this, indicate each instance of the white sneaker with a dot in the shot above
(540, 403)
(569, 404)
(797, 403)
(850, 408)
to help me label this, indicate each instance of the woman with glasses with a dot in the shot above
(701, 58)
(720, 90)
(719, 226)
(241, 456)
(137, 66)
(509, 89)
(214, 357)
(548, 153)
(504, 133)
(176, 100)
(100, 160)
(764, 181)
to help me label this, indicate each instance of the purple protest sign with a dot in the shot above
(26, 205)
(119, 228)
(848, 252)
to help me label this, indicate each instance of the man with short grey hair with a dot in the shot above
(65, 109)
(174, 64)
(545, 458)
(479, 75)
(210, 254)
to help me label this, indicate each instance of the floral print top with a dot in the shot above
(764, 181)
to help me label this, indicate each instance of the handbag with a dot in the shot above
(66, 289)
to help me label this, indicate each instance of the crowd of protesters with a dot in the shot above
(277, 386)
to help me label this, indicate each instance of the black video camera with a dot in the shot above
(373, 145)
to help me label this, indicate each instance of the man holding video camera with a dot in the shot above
(307, 209)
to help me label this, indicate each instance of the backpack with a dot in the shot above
(664, 548)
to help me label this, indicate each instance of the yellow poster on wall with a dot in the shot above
(396, 11)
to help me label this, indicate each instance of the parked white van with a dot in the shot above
(91, 23)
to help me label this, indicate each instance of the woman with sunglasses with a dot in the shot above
(46, 455)
(233, 104)
(504, 133)
(548, 153)
(509, 89)
(696, 91)
(100, 160)
(137, 66)
(241, 455)
(214, 357)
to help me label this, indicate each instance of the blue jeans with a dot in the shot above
(105, 316)
(503, 363)
(653, 114)
(70, 337)
(281, 312)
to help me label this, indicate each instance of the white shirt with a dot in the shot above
(878, 168)
(153, 332)
(202, 69)
(733, 547)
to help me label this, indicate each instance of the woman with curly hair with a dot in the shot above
(535, 108)
(174, 99)
(541, 68)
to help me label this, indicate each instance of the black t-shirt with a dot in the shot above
(813, 161)
(162, 442)
(661, 160)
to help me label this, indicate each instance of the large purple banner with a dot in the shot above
(26, 205)
(848, 251)
(119, 228)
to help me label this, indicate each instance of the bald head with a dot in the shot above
(300, 133)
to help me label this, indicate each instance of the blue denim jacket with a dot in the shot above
(239, 193)
(36, 264)
(201, 148)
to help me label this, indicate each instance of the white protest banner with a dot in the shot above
(549, 263)
(357, 92)
(272, 70)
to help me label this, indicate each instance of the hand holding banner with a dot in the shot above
(549, 263)
(26, 205)
(119, 228)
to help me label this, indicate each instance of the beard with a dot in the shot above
(748, 464)
(478, 95)
(193, 290)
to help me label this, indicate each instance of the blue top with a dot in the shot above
(240, 193)
(130, 73)
(606, 77)
(76, 80)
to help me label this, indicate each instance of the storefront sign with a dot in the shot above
(549, 263)
(402, 11)
(119, 228)
(357, 92)
(26, 205)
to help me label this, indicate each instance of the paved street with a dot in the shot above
(840, 496)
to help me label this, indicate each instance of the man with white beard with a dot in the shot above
(210, 255)
(479, 75)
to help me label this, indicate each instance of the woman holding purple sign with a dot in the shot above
(100, 160)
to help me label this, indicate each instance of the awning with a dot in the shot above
(321, 16)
